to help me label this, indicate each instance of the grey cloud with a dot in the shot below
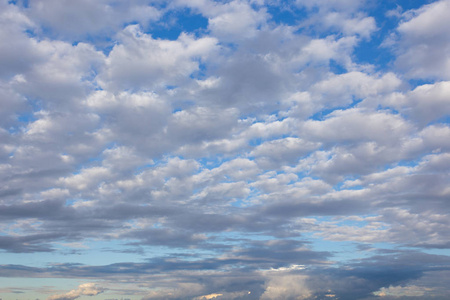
(358, 280)
(273, 154)
(139, 61)
(86, 19)
(352, 125)
(40, 209)
(29, 243)
(245, 157)
(14, 22)
(423, 41)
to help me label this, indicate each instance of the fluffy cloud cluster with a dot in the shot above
(239, 149)
(85, 289)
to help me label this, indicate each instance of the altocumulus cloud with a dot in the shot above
(242, 149)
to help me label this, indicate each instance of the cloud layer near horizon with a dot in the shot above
(225, 149)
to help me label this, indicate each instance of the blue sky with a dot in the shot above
(244, 149)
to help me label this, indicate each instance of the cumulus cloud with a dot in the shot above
(67, 19)
(425, 104)
(286, 287)
(400, 291)
(140, 61)
(85, 289)
(423, 42)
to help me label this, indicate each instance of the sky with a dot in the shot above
(228, 149)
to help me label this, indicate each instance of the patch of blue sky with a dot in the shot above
(105, 44)
(336, 67)
(341, 186)
(35, 104)
(187, 255)
(27, 285)
(411, 4)
(247, 201)
(239, 203)
(172, 24)
(348, 251)
(26, 117)
(415, 82)
(370, 50)
(352, 222)
(94, 161)
(406, 163)
(260, 140)
(445, 120)
(325, 113)
(324, 218)
(342, 251)
(72, 201)
(384, 246)
(201, 72)
(388, 110)
(305, 174)
(285, 13)
(89, 78)
(256, 141)
(96, 252)
(181, 104)
(237, 237)
(142, 168)
(28, 259)
(212, 162)
(14, 130)
(435, 251)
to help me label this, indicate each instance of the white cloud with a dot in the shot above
(360, 25)
(85, 289)
(320, 51)
(287, 286)
(339, 5)
(357, 125)
(19, 53)
(273, 154)
(141, 62)
(236, 20)
(426, 103)
(230, 21)
(402, 291)
(70, 19)
(343, 89)
(208, 297)
(424, 42)
(89, 177)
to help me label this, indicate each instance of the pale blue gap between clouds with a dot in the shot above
(229, 150)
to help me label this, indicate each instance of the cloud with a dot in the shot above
(140, 61)
(286, 287)
(423, 42)
(399, 291)
(74, 20)
(239, 149)
(85, 289)
(426, 103)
